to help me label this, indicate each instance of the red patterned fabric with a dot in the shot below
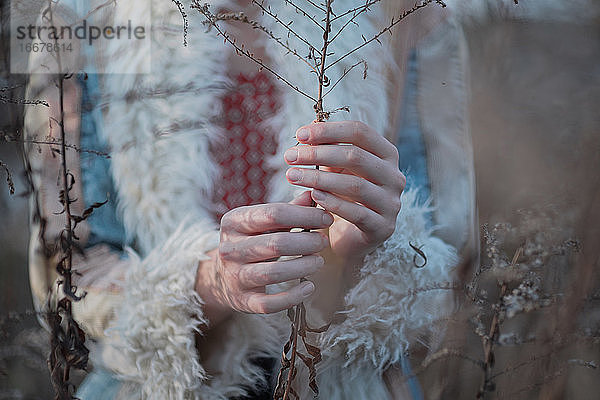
(244, 176)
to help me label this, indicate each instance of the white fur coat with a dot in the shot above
(159, 127)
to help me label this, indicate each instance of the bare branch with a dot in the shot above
(323, 79)
(395, 21)
(184, 17)
(212, 22)
(353, 10)
(315, 5)
(352, 20)
(305, 14)
(54, 141)
(243, 18)
(267, 11)
(9, 180)
(9, 100)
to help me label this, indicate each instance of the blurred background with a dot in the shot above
(535, 96)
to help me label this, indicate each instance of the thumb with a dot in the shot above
(303, 199)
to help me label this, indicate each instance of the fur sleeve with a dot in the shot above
(394, 307)
(153, 342)
(160, 314)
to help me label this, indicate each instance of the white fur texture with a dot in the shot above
(393, 307)
(158, 124)
(160, 314)
(395, 301)
(479, 11)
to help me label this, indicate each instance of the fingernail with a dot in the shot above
(327, 219)
(291, 155)
(302, 135)
(320, 261)
(308, 288)
(318, 195)
(294, 175)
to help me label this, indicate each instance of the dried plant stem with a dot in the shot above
(67, 338)
(292, 371)
(323, 80)
(271, 14)
(212, 23)
(395, 21)
(305, 14)
(300, 312)
(317, 6)
(52, 141)
(9, 179)
(488, 341)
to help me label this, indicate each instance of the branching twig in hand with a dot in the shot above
(395, 21)
(212, 22)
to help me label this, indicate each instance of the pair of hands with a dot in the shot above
(358, 186)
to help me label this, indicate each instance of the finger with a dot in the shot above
(354, 132)
(273, 217)
(273, 245)
(368, 221)
(303, 199)
(269, 273)
(351, 187)
(352, 158)
(271, 303)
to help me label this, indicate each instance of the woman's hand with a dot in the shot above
(359, 182)
(252, 238)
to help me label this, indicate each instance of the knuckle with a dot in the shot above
(245, 276)
(357, 187)
(314, 178)
(388, 227)
(334, 205)
(265, 307)
(318, 241)
(388, 231)
(233, 276)
(311, 153)
(317, 130)
(362, 127)
(355, 156)
(226, 250)
(275, 246)
(361, 218)
(271, 215)
(395, 153)
(226, 221)
(358, 129)
(315, 264)
(396, 205)
(266, 275)
(401, 181)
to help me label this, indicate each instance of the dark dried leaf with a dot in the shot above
(88, 211)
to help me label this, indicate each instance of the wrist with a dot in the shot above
(351, 270)
(209, 289)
